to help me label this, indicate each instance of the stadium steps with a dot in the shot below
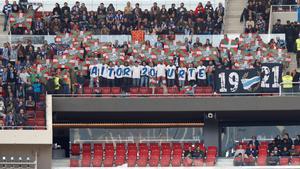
(232, 17)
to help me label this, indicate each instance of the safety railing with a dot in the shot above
(23, 127)
(284, 8)
(128, 95)
(214, 39)
(289, 89)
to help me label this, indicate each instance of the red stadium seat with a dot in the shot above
(105, 90)
(172, 90)
(74, 163)
(295, 161)
(176, 160)
(108, 161)
(116, 90)
(75, 149)
(187, 162)
(86, 148)
(198, 162)
(144, 91)
(210, 161)
(133, 91)
(159, 91)
(261, 161)
(284, 161)
(88, 90)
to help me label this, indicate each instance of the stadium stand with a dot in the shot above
(142, 154)
(280, 151)
(204, 19)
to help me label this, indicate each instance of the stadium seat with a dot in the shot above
(88, 90)
(187, 162)
(261, 161)
(172, 90)
(284, 161)
(105, 90)
(86, 148)
(75, 149)
(116, 90)
(134, 91)
(295, 161)
(144, 91)
(210, 161)
(108, 161)
(198, 162)
(176, 160)
(74, 163)
(86, 160)
(159, 91)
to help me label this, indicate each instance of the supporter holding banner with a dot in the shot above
(271, 75)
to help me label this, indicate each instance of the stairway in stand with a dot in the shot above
(233, 14)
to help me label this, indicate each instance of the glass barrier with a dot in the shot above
(284, 8)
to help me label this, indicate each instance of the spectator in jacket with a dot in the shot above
(7, 9)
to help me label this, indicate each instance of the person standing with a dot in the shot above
(136, 74)
(201, 72)
(144, 75)
(171, 75)
(7, 8)
(287, 83)
(298, 51)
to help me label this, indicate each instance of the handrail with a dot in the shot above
(22, 127)
(225, 16)
(270, 20)
(292, 92)
(165, 95)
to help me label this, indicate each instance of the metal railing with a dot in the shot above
(23, 127)
(284, 8)
(280, 8)
(178, 95)
(294, 90)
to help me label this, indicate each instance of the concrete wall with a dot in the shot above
(44, 153)
(175, 104)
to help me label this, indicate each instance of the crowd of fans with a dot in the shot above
(21, 68)
(19, 96)
(256, 14)
(204, 19)
(291, 31)
(246, 154)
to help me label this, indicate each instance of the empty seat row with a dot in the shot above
(140, 155)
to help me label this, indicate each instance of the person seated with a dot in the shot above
(272, 159)
(293, 151)
(276, 151)
(271, 146)
(238, 160)
(254, 141)
(239, 151)
(285, 152)
(188, 153)
(297, 141)
(188, 157)
(198, 154)
(30, 103)
(251, 151)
